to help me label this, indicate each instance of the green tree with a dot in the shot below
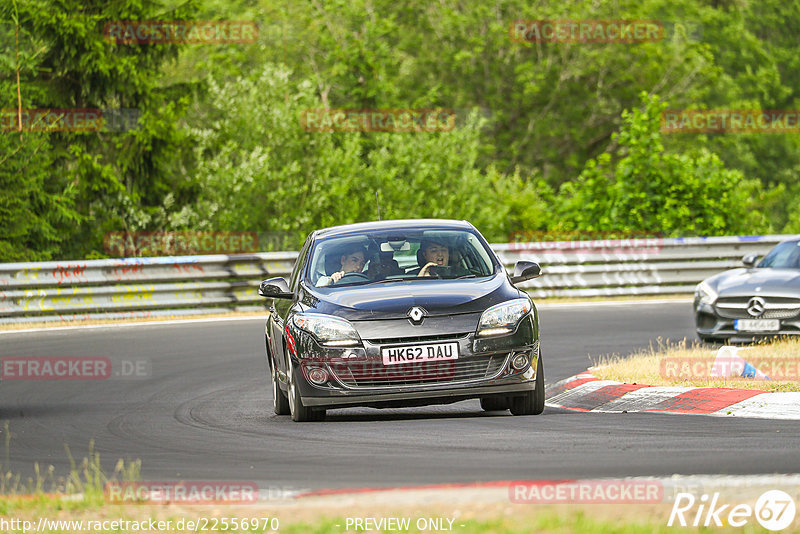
(641, 187)
(270, 175)
(118, 179)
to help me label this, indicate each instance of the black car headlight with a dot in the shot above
(705, 294)
(503, 318)
(330, 331)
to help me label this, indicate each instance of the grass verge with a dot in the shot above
(689, 365)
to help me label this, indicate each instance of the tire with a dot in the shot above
(300, 413)
(280, 404)
(532, 403)
(495, 404)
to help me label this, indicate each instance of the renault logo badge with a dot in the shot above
(756, 306)
(415, 315)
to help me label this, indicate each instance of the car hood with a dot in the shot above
(764, 281)
(393, 300)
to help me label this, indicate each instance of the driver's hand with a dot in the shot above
(335, 277)
(425, 270)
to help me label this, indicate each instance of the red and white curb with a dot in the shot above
(587, 393)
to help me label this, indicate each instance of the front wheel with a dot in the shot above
(280, 404)
(300, 413)
(532, 403)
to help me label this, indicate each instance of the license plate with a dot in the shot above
(419, 353)
(757, 325)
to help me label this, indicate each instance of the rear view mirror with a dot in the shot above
(749, 261)
(525, 270)
(275, 288)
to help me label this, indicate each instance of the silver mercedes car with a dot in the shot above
(758, 301)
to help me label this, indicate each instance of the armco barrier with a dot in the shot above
(165, 286)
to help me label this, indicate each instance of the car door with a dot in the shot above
(280, 309)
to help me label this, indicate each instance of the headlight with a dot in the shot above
(503, 318)
(330, 331)
(705, 293)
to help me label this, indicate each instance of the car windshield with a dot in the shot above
(398, 255)
(784, 256)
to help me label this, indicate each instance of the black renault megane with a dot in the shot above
(402, 313)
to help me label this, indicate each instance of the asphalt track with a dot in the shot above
(204, 413)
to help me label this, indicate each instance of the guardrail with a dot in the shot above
(180, 285)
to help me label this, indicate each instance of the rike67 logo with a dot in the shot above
(774, 510)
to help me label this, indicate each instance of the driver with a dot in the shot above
(352, 260)
(436, 254)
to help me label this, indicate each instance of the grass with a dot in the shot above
(684, 364)
(547, 520)
(563, 519)
(82, 488)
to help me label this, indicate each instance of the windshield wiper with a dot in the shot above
(387, 280)
(466, 276)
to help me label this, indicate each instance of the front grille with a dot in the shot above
(376, 375)
(775, 308)
(418, 339)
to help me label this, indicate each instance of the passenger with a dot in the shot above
(352, 261)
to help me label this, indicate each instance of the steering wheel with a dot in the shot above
(354, 277)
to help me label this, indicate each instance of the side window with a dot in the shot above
(298, 266)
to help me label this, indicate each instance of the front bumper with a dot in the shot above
(483, 368)
(429, 396)
(710, 324)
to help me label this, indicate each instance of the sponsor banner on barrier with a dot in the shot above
(181, 31)
(69, 120)
(730, 121)
(586, 492)
(126, 244)
(182, 492)
(378, 120)
(72, 368)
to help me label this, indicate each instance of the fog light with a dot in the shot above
(520, 361)
(317, 376)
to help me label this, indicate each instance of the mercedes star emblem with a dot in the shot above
(756, 306)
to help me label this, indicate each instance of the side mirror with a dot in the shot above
(525, 270)
(275, 288)
(749, 261)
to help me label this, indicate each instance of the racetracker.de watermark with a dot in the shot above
(730, 121)
(378, 120)
(586, 31)
(182, 492)
(676, 368)
(72, 368)
(586, 492)
(127, 244)
(598, 246)
(69, 120)
(181, 31)
(376, 371)
(528, 236)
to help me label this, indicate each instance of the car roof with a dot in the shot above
(405, 224)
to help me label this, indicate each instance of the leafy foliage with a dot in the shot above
(646, 188)
(550, 135)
